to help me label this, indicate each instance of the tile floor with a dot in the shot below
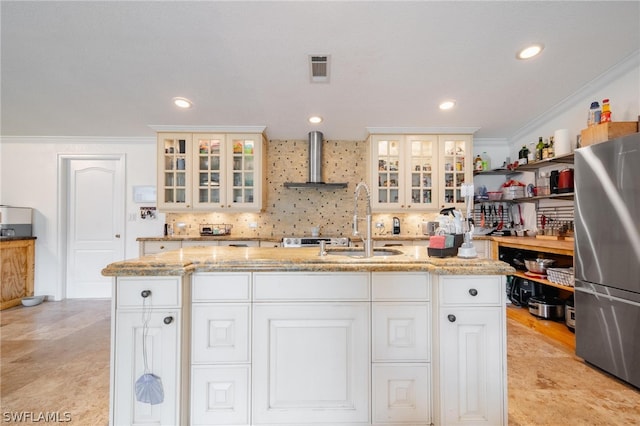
(55, 359)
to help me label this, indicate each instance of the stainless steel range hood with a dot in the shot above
(315, 166)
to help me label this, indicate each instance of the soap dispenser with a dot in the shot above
(396, 226)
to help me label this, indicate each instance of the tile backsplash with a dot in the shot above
(292, 211)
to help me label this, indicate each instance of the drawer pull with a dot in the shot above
(473, 292)
(145, 293)
(168, 320)
(451, 318)
(161, 247)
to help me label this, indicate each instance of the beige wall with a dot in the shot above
(294, 211)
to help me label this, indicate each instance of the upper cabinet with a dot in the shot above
(419, 172)
(210, 172)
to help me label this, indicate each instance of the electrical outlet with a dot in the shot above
(253, 225)
(379, 224)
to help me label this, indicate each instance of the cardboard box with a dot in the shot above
(606, 131)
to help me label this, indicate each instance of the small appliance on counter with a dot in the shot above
(215, 230)
(565, 181)
(396, 226)
(289, 242)
(15, 221)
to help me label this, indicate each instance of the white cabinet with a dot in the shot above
(311, 360)
(419, 172)
(212, 172)
(401, 348)
(221, 349)
(471, 360)
(159, 301)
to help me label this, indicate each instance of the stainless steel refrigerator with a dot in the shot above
(607, 256)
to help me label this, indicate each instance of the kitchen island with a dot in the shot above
(249, 335)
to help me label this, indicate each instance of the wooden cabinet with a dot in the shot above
(148, 313)
(471, 359)
(209, 171)
(17, 263)
(419, 172)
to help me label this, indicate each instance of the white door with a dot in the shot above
(95, 224)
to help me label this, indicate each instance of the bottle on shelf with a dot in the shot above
(545, 149)
(477, 164)
(605, 115)
(539, 148)
(523, 155)
(594, 114)
(551, 151)
(486, 161)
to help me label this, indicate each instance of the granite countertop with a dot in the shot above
(218, 259)
(279, 239)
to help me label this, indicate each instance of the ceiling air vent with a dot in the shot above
(319, 67)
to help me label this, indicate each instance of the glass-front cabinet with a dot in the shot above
(419, 172)
(221, 172)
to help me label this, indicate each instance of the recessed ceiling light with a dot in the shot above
(182, 103)
(530, 51)
(315, 119)
(447, 105)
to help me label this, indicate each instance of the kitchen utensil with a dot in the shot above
(520, 215)
(565, 181)
(501, 223)
(482, 213)
(546, 307)
(538, 266)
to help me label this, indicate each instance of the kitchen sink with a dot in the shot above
(360, 253)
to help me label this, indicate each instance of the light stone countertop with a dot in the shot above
(220, 259)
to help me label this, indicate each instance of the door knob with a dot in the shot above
(451, 318)
(473, 292)
(117, 235)
(168, 320)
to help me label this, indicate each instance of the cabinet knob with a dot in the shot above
(168, 320)
(145, 293)
(473, 292)
(117, 235)
(451, 318)
(161, 247)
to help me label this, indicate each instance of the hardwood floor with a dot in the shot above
(55, 361)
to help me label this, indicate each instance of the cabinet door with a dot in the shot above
(174, 171)
(455, 168)
(387, 180)
(401, 394)
(209, 171)
(244, 172)
(162, 348)
(471, 356)
(401, 331)
(220, 333)
(311, 363)
(420, 170)
(220, 395)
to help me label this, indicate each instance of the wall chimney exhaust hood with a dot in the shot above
(315, 166)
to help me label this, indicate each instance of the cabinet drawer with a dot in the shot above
(401, 394)
(220, 333)
(400, 286)
(221, 286)
(200, 243)
(471, 290)
(311, 286)
(153, 247)
(165, 292)
(401, 331)
(220, 395)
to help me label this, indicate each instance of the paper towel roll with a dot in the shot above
(562, 142)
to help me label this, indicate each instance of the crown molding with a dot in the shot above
(207, 129)
(422, 130)
(79, 139)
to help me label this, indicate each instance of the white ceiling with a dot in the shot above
(87, 68)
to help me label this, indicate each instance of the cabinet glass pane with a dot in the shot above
(455, 152)
(421, 170)
(209, 163)
(388, 165)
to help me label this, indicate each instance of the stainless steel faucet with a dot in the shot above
(368, 243)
